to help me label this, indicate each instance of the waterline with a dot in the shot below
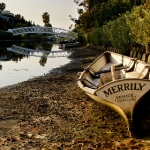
(14, 72)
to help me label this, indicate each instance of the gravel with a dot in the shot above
(52, 113)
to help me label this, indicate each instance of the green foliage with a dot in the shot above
(129, 30)
(23, 23)
(5, 25)
(46, 18)
(139, 23)
(96, 13)
(2, 7)
(86, 38)
(48, 25)
(81, 38)
(20, 25)
(86, 22)
(111, 10)
(117, 34)
(95, 37)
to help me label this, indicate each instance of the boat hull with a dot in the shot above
(122, 89)
(123, 97)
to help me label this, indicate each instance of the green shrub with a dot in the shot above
(139, 23)
(129, 30)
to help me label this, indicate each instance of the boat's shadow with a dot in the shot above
(141, 117)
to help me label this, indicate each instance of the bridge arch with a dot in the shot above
(39, 53)
(40, 29)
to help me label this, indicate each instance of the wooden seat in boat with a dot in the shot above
(92, 83)
(94, 79)
(141, 70)
(129, 64)
(108, 65)
(90, 80)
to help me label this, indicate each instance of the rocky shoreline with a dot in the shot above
(52, 113)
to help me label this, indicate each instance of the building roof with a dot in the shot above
(7, 12)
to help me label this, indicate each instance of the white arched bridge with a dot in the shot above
(59, 32)
(39, 53)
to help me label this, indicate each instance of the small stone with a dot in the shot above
(134, 147)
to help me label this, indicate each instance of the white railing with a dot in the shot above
(39, 53)
(39, 29)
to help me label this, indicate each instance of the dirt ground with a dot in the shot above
(52, 113)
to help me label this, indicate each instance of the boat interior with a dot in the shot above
(110, 64)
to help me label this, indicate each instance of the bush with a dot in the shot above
(139, 23)
(129, 30)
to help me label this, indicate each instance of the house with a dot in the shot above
(8, 16)
(7, 13)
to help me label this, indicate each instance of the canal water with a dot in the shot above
(16, 67)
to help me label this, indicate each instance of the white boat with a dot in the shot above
(119, 82)
(72, 44)
(69, 45)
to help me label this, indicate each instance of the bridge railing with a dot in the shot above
(39, 53)
(39, 29)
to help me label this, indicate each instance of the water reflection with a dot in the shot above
(21, 65)
(39, 53)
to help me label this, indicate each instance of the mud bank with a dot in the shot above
(52, 113)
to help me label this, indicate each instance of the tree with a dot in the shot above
(20, 25)
(23, 21)
(80, 11)
(96, 13)
(43, 60)
(48, 25)
(46, 18)
(2, 7)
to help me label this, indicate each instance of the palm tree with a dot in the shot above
(43, 60)
(2, 7)
(46, 18)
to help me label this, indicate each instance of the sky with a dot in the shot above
(59, 11)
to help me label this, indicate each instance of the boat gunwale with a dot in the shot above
(107, 84)
(119, 80)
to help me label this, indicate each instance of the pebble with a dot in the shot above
(51, 112)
